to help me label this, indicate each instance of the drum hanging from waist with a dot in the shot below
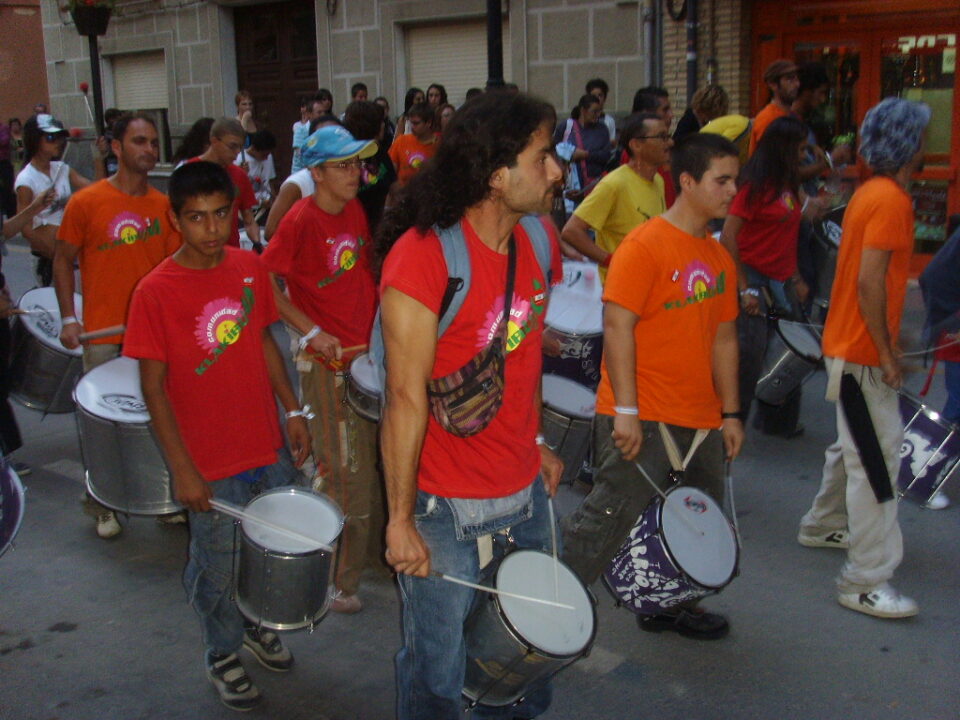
(364, 388)
(42, 371)
(124, 467)
(284, 582)
(568, 410)
(514, 645)
(793, 355)
(930, 450)
(681, 549)
(573, 336)
(11, 505)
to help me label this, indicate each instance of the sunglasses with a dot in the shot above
(55, 137)
(354, 164)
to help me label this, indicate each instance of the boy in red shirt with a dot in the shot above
(200, 325)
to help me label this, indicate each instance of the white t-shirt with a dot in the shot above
(303, 180)
(260, 172)
(38, 182)
(301, 131)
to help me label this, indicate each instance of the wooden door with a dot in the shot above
(277, 63)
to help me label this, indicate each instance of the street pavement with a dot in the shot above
(100, 630)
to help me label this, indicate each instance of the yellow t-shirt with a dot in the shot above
(619, 203)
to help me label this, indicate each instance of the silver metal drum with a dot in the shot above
(284, 582)
(568, 410)
(364, 389)
(514, 645)
(11, 505)
(124, 468)
(42, 371)
(793, 355)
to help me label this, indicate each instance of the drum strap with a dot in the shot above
(673, 451)
(834, 373)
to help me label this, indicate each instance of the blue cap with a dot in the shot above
(891, 133)
(332, 143)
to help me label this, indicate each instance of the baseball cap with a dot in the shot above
(334, 142)
(777, 69)
(49, 124)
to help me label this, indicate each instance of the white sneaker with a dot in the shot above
(937, 502)
(883, 602)
(830, 539)
(107, 525)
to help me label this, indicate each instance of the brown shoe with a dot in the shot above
(346, 604)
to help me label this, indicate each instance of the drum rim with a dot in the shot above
(173, 507)
(54, 344)
(17, 487)
(296, 490)
(926, 409)
(515, 633)
(796, 351)
(670, 554)
(350, 393)
(120, 361)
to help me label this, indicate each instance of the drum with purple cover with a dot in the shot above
(568, 410)
(681, 549)
(42, 371)
(825, 247)
(11, 505)
(793, 355)
(930, 450)
(573, 336)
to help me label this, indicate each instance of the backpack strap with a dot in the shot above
(533, 226)
(457, 258)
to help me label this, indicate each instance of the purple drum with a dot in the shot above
(930, 450)
(573, 336)
(681, 549)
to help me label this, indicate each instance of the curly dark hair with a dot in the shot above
(486, 134)
(775, 165)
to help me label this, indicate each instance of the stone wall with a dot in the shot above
(724, 34)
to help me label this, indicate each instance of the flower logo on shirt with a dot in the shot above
(787, 200)
(698, 284)
(219, 322)
(416, 159)
(126, 227)
(343, 256)
(517, 326)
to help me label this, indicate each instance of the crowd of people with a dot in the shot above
(352, 251)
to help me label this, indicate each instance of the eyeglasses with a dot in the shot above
(54, 137)
(661, 136)
(354, 164)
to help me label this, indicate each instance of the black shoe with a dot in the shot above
(695, 623)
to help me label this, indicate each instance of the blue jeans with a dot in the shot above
(432, 661)
(951, 374)
(209, 574)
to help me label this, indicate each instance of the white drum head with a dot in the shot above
(365, 374)
(304, 512)
(575, 304)
(800, 339)
(43, 318)
(698, 536)
(569, 398)
(554, 630)
(112, 391)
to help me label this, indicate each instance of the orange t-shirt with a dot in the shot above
(408, 154)
(681, 287)
(762, 121)
(879, 215)
(121, 238)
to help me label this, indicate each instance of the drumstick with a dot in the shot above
(663, 495)
(504, 593)
(351, 348)
(101, 333)
(553, 540)
(236, 511)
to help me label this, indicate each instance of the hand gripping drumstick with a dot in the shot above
(504, 593)
(236, 511)
(103, 332)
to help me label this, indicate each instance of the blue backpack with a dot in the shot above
(457, 258)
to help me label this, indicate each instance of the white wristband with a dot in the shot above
(626, 410)
(540, 439)
(303, 412)
(69, 320)
(311, 334)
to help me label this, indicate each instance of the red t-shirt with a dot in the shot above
(325, 260)
(503, 458)
(767, 242)
(206, 326)
(244, 200)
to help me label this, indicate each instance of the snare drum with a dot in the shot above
(284, 583)
(11, 505)
(364, 388)
(573, 337)
(124, 468)
(679, 550)
(568, 410)
(793, 355)
(514, 645)
(825, 247)
(42, 371)
(930, 450)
